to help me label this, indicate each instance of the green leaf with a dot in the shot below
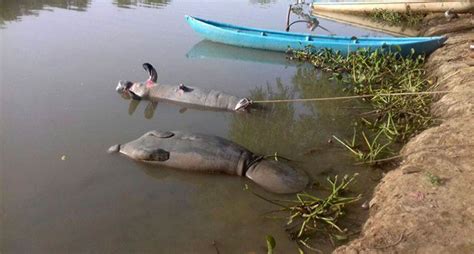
(270, 244)
(340, 237)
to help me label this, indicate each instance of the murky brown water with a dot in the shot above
(62, 193)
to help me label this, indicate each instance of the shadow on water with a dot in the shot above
(12, 10)
(141, 3)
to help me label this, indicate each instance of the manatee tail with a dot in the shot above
(114, 149)
(277, 177)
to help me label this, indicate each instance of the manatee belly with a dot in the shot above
(196, 96)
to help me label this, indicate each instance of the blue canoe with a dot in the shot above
(282, 41)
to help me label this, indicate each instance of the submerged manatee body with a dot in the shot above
(206, 153)
(183, 94)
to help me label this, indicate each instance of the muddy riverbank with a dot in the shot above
(426, 204)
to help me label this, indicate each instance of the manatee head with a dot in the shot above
(277, 177)
(145, 148)
(123, 86)
(131, 89)
(138, 90)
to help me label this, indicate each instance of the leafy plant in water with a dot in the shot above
(309, 215)
(371, 151)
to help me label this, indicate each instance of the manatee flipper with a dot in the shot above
(184, 88)
(153, 76)
(277, 177)
(151, 155)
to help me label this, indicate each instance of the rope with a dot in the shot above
(356, 96)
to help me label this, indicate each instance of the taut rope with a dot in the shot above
(357, 96)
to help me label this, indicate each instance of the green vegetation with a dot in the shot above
(394, 119)
(270, 244)
(405, 19)
(310, 215)
(434, 179)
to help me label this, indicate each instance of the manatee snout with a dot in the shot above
(114, 149)
(123, 86)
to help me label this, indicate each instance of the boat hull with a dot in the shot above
(282, 41)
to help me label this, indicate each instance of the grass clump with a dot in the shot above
(310, 215)
(404, 19)
(393, 119)
(434, 179)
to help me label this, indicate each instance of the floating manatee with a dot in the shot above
(183, 94)
(206, 153)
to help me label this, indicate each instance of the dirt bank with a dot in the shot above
(426, 205)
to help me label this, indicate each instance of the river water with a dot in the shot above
(62, 193)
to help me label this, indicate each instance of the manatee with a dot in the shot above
(151, 90)
(208, 153)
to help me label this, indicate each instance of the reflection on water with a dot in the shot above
(289, 127)
(208, 49)
(11, 10)
(143, 3)
(149, 109)
(263, 2)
